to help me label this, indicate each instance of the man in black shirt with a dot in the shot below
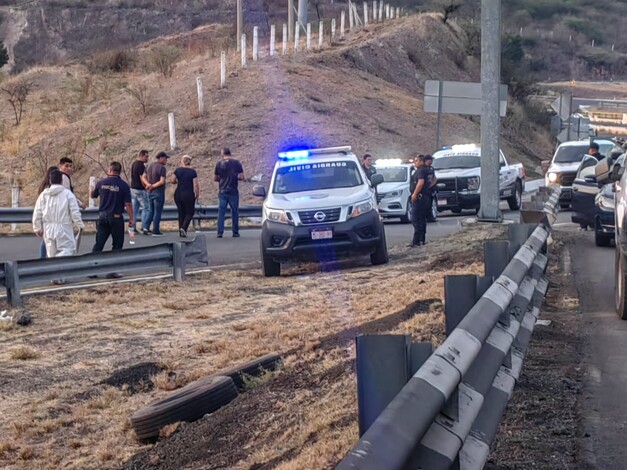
(368, 167)
(155, 176)
(428, 160)
(420, 187)
(115, 196)
(227, 173)
(139, 196)
(593, 151)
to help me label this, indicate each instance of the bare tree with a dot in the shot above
(164, 57)
(141, 96)
(17, 92)
(448, 7)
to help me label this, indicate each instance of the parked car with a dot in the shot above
(320, 205)
(565, 163)
(458, 170)
(393, 194)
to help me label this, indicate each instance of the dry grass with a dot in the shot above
(24, 353)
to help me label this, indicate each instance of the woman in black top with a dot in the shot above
(186, 179)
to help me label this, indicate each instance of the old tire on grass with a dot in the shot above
(190, 403)
(254, 368)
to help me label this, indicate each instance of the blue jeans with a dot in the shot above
(140, 199)
(231, 200)
(156, 199)
(42, 250)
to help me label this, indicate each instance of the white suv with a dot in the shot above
(320, 206)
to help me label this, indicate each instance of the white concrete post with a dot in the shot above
(612, 47)
(15, 199)
(365, 14)
(308, 36)
(284, 46)
(172, 128)
(520, 32)
(332, 29)
(342, 24)
(222, 69)
(391, 12)
(272, 39)
(380, 10)
(243, 48)
(593, 43)
(351, 19)
(398, 12)
(320, 33)
(92, 185)
(297, 37)
(255, 43)
(374, 11)
(201, 100)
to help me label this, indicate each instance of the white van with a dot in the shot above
(320, 206)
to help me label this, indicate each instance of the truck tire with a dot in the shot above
(405, 219)
(380, 255)
(515, 200)
(190, 403)
(433, 214)
(253, 368)
(621, 281)
(270, 267)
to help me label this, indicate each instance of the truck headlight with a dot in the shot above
(361, 208)
(552, 177)
(277, 215)
(473, 183)
(392, 194)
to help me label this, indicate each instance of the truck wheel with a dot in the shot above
(270, 267)
(621, 303)
(380, 255)
(515, 200)
(407, 217)
(433, 216)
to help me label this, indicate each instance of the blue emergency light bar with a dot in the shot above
(294, 154)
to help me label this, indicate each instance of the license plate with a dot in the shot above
(321, 234)
(442, 202)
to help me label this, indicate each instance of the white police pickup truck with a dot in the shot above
(458, 170)
(320, 206)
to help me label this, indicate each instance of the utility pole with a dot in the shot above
(290, 20)
(302, 13)
(490, 117)
(240, 23)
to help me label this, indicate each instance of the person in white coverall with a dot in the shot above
(55, 212)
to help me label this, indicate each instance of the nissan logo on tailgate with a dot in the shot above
(320, 216)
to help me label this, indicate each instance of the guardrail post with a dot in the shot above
(460, 294)
(178, 261)
(12, 282)
(496, 255)
(384, 364)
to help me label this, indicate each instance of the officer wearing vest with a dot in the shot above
(420, 187)
(115, 196)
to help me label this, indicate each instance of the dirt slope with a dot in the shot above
(365, 91)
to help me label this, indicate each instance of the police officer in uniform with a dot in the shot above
(115, 196)
(420, 187)
(432, 181)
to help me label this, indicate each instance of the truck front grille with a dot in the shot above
(309, 217)
(566, 179)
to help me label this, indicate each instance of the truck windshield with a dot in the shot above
(393, 174)
(315, 176)
(457, 161)
(575, 153)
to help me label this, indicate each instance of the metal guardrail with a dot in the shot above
(24, 215)
(449, 410)
(15, 275)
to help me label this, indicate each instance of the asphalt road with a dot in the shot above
(605, 351)
(230, 250)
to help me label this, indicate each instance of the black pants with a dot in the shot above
(419, 214)
(106, 226)
(186, 205)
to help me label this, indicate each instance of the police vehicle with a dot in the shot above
(393, 195)
(320, 206)
(458, 170)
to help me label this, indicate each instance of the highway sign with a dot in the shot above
(458, 98)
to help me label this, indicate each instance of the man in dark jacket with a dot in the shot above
(227, 174)
(368, 167)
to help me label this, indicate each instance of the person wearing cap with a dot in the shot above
(593, 151)
(155, 176)
(227, 174)
(186, 180)
(115, 196)
(420, 197)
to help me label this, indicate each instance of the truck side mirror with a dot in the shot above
(376, 179)
(259, 191)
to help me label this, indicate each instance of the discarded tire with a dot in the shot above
(190, 403)
(255, 368)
